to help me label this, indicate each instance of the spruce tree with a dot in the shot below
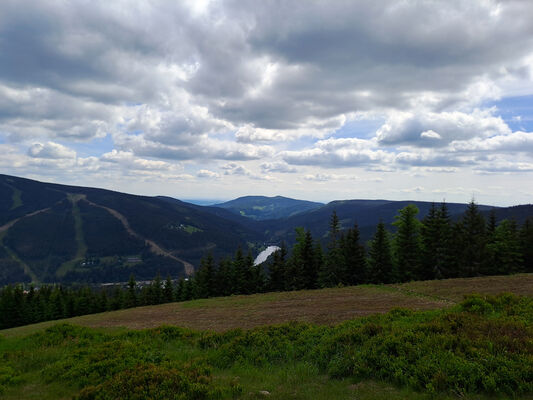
(473, 238)
(436, 243)
(407, 243)
(381, 269)
(250, 278)
(239, 272)
(354, 263)
(180, 290)
(299, 261)
(278, 269)
(504, 251)
(444, 260)
(328, 276)
(131, 294)
(224, 278)
(205, 277)
(168, 290)
(526, 245)
(308, 261)
(157, 290)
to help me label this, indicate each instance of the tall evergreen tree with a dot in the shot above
(168, 290)
(311, 264)
(131, 294)
(328, 276)
(473, 238)
(354, 263)
(225, 284)
(504, 251)
(205, 277)
(180, 290)
(157, 290)
(240, 273)
(407, 243)
(444, 261)
(436, 243)
(380, 265)
(296, 279)
(250, 277)
(526, 245)
(278, 269)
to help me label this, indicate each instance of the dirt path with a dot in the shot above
(154, 247)
(5, 227)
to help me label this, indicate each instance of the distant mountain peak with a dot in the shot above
(264, 207)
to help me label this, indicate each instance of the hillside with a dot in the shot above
(321, 306)
(263, 208)
(59, 233)
(367, 214)
(69, 234)
(325, 344)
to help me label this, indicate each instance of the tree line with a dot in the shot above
(435, 247)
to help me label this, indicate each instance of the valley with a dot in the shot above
(100, 228)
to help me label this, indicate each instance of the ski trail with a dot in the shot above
(154, 247)
(27, 270)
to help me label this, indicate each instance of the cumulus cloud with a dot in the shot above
(205, 173)
(277, 167)
(339, 153)
(50, 150)
(328, 177)
(514, 142)
(263, 85)
(130, 161)
(239, 170)
(202, 149)
(429, 129)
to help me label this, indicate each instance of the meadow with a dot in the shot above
(435, 346)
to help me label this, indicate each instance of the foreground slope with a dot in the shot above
(322, 306)
(59, 233)
(477, 349)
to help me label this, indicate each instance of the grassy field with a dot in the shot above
(446, 349)
(325, 306)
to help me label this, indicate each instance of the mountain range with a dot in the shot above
(59, 233)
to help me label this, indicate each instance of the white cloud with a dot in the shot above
(239, 170)
(339, 153)
(205, 173)
(277, 167)
(150, 87)
(430, 134)
(430, 129)
(50, 150)
(513, 142)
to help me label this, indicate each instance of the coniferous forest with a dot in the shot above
(432, 248)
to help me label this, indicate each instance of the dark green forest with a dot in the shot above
(432, 248)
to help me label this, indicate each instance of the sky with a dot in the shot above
(318, 100)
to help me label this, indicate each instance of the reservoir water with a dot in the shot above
(264, 254)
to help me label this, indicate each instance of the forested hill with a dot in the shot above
(367, 214)
(59, 233)
(263, 208)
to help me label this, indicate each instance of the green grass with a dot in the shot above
(17, 198)
(191, 229)
(479, 349)
(80, 240)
